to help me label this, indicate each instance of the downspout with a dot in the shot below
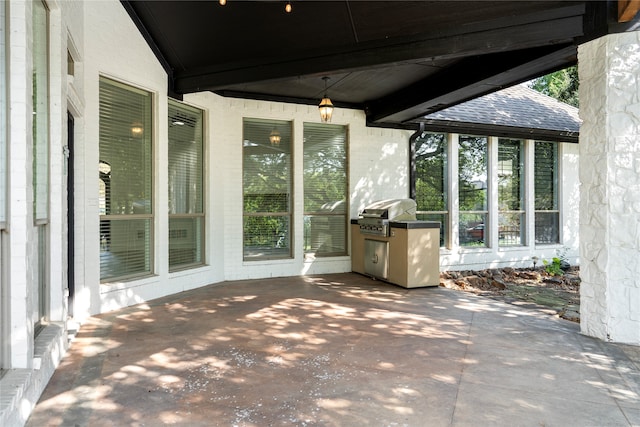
(412, 161)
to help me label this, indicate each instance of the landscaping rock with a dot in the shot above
(498, 284)
(476, 281)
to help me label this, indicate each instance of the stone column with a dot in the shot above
(609, 70)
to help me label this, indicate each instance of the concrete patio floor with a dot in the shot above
(337, 350)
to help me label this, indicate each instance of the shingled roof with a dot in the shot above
(516, 112)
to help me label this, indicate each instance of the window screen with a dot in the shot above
(186, 196)
(511, 214)
(472, 187)
(267, 189)
(430, 184)
(547, 215)
(125, 181)
(325, 189)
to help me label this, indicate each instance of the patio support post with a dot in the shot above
(609, 69)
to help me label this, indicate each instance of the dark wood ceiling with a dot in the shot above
(396, 60)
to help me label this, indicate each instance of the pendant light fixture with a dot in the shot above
(326, 106)
(274, 137)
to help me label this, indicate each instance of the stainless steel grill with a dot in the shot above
(389, 243)
(375, 218)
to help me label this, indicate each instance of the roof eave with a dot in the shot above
(500, 131)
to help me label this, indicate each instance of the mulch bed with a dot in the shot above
(557, 294)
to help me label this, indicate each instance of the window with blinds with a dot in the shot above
(472, 190)
(325, 189)
(40, 158)
(40, 122)
(186, 194)
(3, 172)
(125, 181)
(547, 213)
(3, 117)
(511, 213)
(430, 182)
(267, 189)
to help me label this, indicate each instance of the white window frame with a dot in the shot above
(557, 193)
(491, 204)
(445, 233)
(133, 216)
(523, 203)
(279, 246)
(3, 183)
(41, 171)
(319, 222)
(201, 216)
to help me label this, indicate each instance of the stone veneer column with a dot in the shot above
(609, 70)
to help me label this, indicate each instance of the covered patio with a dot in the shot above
(337, 349)
(124, 185)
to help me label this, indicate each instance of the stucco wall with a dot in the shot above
(610, 176)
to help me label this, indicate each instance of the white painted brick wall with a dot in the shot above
(123, 55)
(225, 120)
(378, 170)
(32, 361)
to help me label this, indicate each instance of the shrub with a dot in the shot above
(554, 267)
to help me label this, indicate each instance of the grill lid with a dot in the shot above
(392, 210)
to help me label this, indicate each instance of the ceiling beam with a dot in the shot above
(627, 10)
(513, 33)
(470, 78)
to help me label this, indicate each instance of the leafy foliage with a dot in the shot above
(472, 178)
(266, 184)
(430, 172)
(558, 263)
(546, 154)
(553, 267)
(510, 168)
(561, 85)
(325, 180)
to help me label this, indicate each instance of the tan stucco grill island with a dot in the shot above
(413, 252)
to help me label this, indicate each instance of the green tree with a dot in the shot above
(561, 85)
(266, 181)
(472, 173)
(430, 172)
(324, 176)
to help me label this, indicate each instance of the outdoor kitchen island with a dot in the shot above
(408, 254)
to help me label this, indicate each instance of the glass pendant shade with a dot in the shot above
(326, 109)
